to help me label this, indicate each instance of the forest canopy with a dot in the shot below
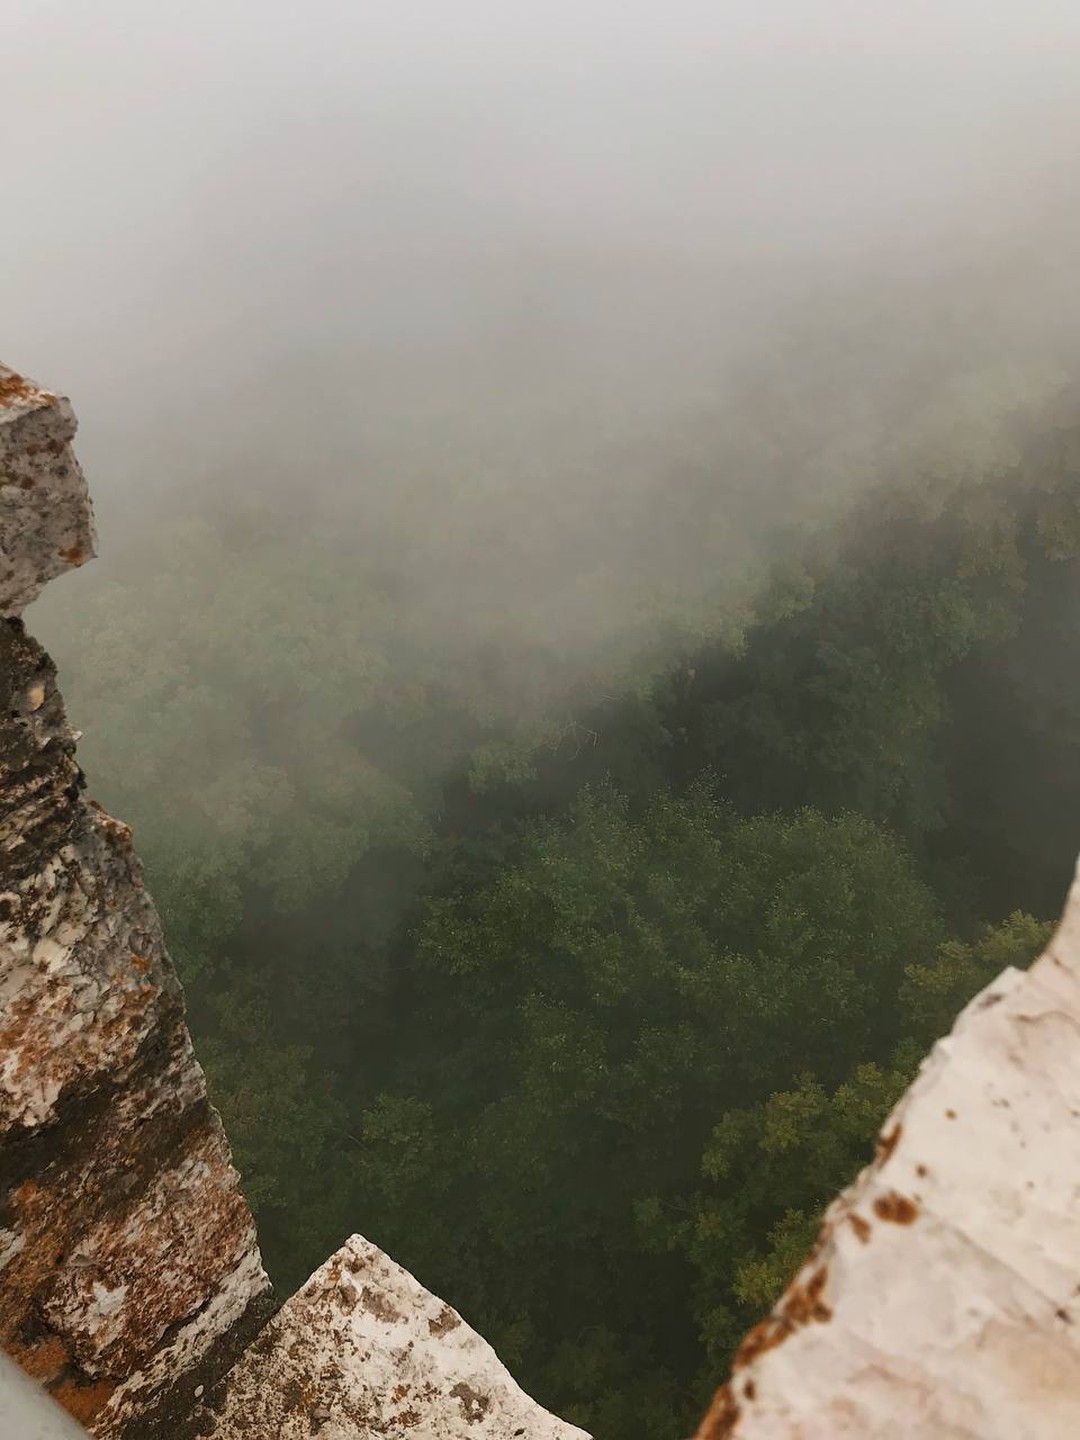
(580, 985)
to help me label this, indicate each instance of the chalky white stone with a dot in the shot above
(942, 1301)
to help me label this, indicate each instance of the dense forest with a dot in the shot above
(580, 984)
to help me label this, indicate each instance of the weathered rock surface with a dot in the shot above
(128, 1256)
(943, 1297)
(363, 1350)
(130, 1276)
(27, 1413)
(47, 525)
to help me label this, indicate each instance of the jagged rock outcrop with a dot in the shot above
(48, 525)
(363, 1349)
(128, 1256)
(942, 1300)
(130, 1275)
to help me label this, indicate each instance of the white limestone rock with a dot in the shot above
(363, 1350)
(942, 1300)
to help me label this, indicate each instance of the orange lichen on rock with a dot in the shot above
(84, 1400)
(46, 1359)
(16, 388)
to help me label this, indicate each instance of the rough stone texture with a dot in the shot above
(47, 525)
(128, 1255)
(130, 1276)
(363, 1350)
(943, 1296)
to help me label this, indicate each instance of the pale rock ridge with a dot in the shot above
(942, 1300)
(364, 1350)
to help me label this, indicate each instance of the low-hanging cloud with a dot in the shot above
(553, 308)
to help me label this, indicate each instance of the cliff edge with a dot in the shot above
(131, 1284)
(942, 1298)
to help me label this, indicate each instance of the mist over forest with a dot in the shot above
(586, 628)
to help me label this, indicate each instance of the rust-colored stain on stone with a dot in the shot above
(764, 1336)
(722, 1417)
(143, 1261)
(84, 1400)
(887, 1142)
(802, 1304)
(861, 1227)
(14, 388)
(474, 1405)
(804, 1301)
(444, 1322)
(46, 1359)
(896, 1209)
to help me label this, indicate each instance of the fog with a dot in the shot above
(532, 298)
(471, 393)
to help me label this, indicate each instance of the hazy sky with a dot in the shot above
(347, 239)
(187, 185)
